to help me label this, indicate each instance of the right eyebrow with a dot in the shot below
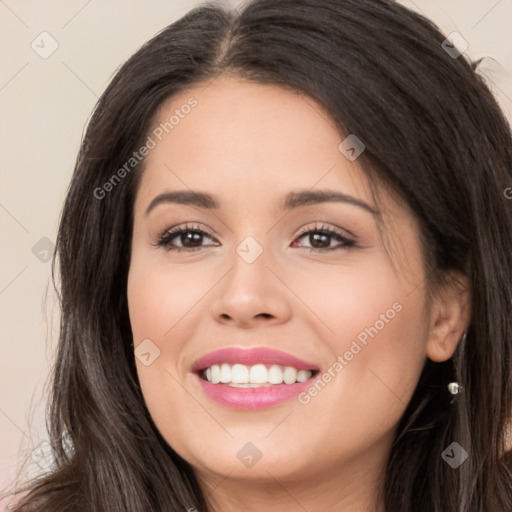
(187, 197)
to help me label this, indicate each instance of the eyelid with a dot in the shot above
(321, 226)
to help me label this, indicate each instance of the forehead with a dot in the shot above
(234, 135)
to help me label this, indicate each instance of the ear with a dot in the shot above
(449, 318)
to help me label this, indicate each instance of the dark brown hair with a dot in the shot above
(433, 134)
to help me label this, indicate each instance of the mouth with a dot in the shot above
(255, 378)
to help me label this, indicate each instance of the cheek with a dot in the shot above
(377, 330)
(161, 297)
(160, 302)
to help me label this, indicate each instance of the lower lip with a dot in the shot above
(252, 398)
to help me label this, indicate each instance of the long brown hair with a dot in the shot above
(433, 134)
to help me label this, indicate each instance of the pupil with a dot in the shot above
(317, 237)
(187, 239)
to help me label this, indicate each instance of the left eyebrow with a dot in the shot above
(306, 197)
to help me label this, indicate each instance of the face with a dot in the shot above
(309, 279)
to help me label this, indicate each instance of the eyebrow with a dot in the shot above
(291, 201)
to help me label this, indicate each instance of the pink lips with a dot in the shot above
(252, 398)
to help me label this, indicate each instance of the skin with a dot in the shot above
(249, 145)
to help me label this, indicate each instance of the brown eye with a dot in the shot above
(320, 239)
(183, 239)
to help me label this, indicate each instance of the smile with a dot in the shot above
(253, 378)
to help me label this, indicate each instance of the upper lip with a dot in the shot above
(251, 356)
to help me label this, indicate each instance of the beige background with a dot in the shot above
(44, 105)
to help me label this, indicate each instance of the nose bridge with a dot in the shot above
(249, 250)
(250, 290)
(249, 274)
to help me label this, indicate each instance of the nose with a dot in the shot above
(250, 295)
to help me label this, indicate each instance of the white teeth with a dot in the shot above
(289, 375)
(275, 374)
(225, 373)
(215, 374)
(303, 375)
(258, 375)
(239, 374)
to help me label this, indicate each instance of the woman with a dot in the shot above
(284, 273)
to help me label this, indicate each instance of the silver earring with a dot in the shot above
(454, 388)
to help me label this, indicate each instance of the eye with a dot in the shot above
(320, 238)
(190, 238)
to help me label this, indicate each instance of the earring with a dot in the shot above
(454, 388)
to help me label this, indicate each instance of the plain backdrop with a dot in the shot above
(57, 58)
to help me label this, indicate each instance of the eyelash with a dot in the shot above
(165, 238)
